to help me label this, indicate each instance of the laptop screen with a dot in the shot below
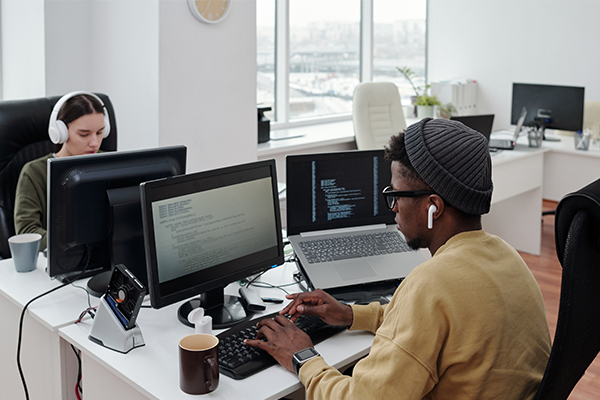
(336, 190)
(481, 123)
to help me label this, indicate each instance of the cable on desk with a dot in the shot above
(91, 311)
(86, 291)
(270, 286)
(20, 337)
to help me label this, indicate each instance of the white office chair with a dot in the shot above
(377, 114)
(591, 117)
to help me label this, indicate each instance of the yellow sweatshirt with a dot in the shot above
(469, 323)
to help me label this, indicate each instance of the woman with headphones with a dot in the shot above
(78, 123)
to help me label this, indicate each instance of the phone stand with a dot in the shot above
(108, 331)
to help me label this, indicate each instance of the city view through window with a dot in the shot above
(324, 52)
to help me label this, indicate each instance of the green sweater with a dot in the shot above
(30, 199)
(467, 324)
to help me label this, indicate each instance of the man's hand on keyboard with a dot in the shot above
(283, 339)
(321, 304)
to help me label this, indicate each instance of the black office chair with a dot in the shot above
(577, 337)
(24, 137)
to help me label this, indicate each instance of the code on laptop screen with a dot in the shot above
(334, 190)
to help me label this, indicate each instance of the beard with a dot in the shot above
(415, 243)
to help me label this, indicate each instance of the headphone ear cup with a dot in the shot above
(62, 132)
(106, 125)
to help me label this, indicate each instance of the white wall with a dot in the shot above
(109, 47)
(208, 84)
(498, 42)
(22, 31)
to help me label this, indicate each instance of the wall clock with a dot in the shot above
(210, 11)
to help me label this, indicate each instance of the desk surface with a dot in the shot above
(153, 369)
(54, 311)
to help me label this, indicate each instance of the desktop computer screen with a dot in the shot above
(208, 229)
(94, 211)
(549, 106)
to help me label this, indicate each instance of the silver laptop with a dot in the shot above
(336, 197)
(509, 144)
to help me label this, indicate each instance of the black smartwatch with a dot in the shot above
(303, 356)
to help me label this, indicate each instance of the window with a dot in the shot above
(399, 41)
(311, 54)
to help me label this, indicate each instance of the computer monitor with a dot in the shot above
(94, 212)
(208, 229)
(549, 106)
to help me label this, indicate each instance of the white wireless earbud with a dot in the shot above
(430, 211)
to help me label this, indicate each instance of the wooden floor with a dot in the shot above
(547, 271)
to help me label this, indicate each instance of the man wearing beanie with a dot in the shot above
(469, 323)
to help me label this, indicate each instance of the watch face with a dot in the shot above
(306, 354)
(210, 11)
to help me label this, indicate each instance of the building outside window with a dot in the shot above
(311, 54)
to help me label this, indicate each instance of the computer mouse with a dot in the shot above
(371, 298)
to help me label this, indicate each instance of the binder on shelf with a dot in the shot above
(462, 94)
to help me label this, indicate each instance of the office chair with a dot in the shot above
(577, 337)
(377, 114)
(24, 137)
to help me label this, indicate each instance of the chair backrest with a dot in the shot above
(591, 117)
(577, 337)
(377, 114)
(24, 137)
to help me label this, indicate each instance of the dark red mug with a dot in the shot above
(199, 363)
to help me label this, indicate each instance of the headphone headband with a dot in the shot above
(57, 129)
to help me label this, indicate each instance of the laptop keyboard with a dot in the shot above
(355, 246)
(239, 361)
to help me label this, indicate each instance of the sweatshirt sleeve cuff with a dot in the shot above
(363, 316)
(312, 368)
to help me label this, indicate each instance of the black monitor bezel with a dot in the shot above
(171, 159)
(192, 183)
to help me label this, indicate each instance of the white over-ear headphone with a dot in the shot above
(432, 208)
(58, 130)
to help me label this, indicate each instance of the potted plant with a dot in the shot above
(424, 102)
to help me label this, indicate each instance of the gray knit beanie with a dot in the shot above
(454, 160)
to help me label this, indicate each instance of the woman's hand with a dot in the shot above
(321, 304)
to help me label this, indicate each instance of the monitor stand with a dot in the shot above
(98, 283)
(225, 310)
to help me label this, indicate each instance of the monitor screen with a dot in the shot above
(206, 230)
(336, 190)
(94, 211)
(556, 107)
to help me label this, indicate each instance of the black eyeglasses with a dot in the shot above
(391, 196)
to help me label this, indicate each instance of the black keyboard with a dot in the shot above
(239, 361)
(354, 246)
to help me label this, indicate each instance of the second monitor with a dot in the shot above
(206, 230)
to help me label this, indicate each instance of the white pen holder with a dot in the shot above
(202, 323)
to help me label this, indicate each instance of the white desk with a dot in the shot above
(49, 365)
(152, 371)
(516, 209)
(566, 169)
